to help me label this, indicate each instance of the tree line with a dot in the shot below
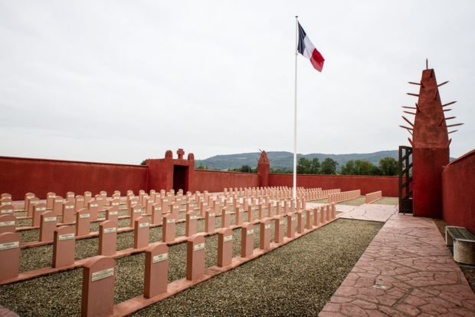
(387, 166)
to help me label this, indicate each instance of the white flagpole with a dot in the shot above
(294, 183)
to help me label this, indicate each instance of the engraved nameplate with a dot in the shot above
(227, 238)
(143, 225)
(250, 231)
(68, 236)
(41, 209)
(83, 216)
(113, 213)
(199, 246)
(267, 226)
(7, 211)
(9, 245)
(110, 230)
(7, 223)
(160, 258)
(171, 220)
(102, 274)
(193, 217)
(49, 219)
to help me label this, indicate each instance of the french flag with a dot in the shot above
(307, 49)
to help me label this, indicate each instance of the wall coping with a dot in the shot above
(67, 162)
(462, 158)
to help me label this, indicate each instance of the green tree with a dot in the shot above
(202, 167)
(315, 167)
(348, 168)
(388, 166)
(329, 166)
(304, 166)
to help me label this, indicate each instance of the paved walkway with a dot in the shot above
(406, 271)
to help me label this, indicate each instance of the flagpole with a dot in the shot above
(294, 181)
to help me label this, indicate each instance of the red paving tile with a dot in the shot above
(406, 271)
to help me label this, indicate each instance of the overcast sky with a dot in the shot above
(123, 81)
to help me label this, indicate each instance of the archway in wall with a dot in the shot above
(180, 178)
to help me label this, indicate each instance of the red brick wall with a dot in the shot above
(216, 181)
(21, 175)
(458, 192)
(367, 184)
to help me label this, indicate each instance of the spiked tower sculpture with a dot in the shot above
(430, 145)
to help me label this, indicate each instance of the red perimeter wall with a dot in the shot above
(216, 181)
(458, 192)
(21, 175)
(367, 184)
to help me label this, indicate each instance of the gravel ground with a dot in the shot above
(295, 280)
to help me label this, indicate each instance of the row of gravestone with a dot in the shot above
(343, 196)
(67, 235)
(99, 272)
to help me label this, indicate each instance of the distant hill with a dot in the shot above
(284, 160)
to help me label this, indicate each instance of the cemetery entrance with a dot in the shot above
(180, 178)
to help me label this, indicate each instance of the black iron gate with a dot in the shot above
(405, 179)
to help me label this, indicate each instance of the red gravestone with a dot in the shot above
(264, 233)
(136, 213)
(108, 237)
(156, 270)
(98, 281)
(64, 246)
(83, 222)
(112, 213)
(141, 232)
(28, 196)
(79, 203)
(238, 215)
(70, 196)
(68, 212)
(168, 228)
(270, 213)
(300, 221)
(100, 201)
(32, 201)
(47, 226)
(50, 200)
(38, 210)
(322, 215)
(250, 214)
(316, 215)
(195, 258)
(225, 218)
(309, 218)
(191, 222)
(247, 240)
(156, 214)
(261, 211)
(291, 221)
(7, 223)
(333, 211)
(209, 221)
(279, 223)
(93, 207)
(225, 247)
(58, 205)
(9, 255)
(87, 197)
(6, 209)
(327, 212)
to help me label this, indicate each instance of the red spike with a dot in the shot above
(448, 143)
(407, 121)
(442, 83)
(452, 131)
(427, 63)
(448, 104)
(445, 110)
(409, 112)
(409, 107)
(411, 94)
(413, 83)
(404, 127)
(454, 125)
(418, 109)
(410, 141)
(449, 118)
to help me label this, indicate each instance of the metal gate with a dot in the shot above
(405, 179)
